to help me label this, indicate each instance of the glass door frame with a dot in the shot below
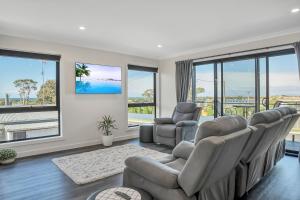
(256, 57)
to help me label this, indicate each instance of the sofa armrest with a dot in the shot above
(153, 171)
(187, 123)
(163, 121)
(183, 150)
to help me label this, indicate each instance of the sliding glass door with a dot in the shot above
(239, 87)
(203, 85)
(284, 87)
(248, 84)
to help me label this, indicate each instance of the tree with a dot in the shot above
(25, 87)
(148, 95)
(200, 90)
(82, 70)
(47, 93)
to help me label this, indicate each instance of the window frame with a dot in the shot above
(42, 108)
(154, 70)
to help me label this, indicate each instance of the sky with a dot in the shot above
(13, 68)
(98, 72)
(284, 79)
(138, 82)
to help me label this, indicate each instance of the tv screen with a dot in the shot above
(97, 79)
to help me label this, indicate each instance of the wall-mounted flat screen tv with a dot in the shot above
(97, 79)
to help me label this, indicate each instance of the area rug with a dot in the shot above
(95, 165)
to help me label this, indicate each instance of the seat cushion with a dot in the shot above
(177, 164)
(167, 130)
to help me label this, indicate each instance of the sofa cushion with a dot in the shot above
(153, 171)
(220, 127)
(265, 117)
(184, 111)
(166, 130)
(177, 117)
(292, 110)
(283, 110)
(166, 141)
(184, 107)
(177, 164)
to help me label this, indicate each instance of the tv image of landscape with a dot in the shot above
(97, 79)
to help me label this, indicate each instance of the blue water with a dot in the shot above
(98, 87)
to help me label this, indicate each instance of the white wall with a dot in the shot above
(167, 66)
(79, 112)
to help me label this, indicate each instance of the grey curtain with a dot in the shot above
(297, 51)
(184, 71)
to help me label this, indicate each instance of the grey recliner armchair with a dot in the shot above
(181, 126)
(203, 170)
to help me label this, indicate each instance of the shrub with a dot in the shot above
(6, 154)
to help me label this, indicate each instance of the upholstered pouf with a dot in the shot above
(120, 193)
(146, 133)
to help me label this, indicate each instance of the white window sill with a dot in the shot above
(31, 142)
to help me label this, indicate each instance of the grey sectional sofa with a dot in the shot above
(227, 159)
(202, 170)
(265, 147)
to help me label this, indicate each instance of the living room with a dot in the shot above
(89, 89)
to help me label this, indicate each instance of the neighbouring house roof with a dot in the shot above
(32, 126)
(10, 118)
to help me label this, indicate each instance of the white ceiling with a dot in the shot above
(137, 26)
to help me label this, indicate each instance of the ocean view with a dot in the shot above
(93, 87)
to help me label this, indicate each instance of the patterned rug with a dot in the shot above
(94, 165)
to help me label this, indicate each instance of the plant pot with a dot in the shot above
(8, 161)
(107, 140)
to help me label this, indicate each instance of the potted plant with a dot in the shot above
(105, 125)
(7, 156)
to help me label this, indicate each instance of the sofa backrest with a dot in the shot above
(220, 127)
(286, 116)
(266, 126)
(185, 111)
(213, 158)
(292, 122)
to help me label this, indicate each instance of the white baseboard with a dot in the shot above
(51, 149)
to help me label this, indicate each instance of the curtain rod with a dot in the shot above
(244, 51)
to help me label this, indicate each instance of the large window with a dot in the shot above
(141, 95)
(248, 84)
(29, 96)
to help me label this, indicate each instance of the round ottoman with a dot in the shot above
(146, 133)
(120, 193)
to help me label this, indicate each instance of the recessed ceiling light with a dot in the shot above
(295, 10)
(159, 46)
(82, 28)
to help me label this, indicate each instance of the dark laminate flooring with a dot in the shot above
(37, 178)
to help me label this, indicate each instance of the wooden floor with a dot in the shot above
(37, 178)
